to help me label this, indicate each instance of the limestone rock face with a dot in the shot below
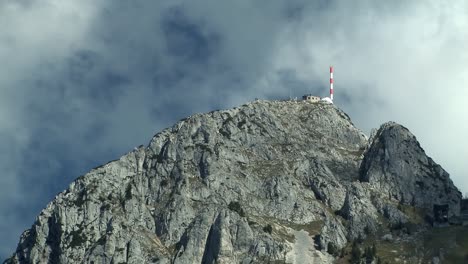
(396, 165)
(284, 182)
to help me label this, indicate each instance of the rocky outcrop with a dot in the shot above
(397, 166)
(290, 182)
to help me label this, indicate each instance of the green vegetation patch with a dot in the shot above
(128, 192)
(268, 229)
(81, 198)
(204, 147)
(102, 241)
(78, 238)
(266, 168)
(419, 248)
(236, 207)
(313, 228)
(415, 214)
(454, 241)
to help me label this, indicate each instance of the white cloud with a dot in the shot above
(31, 33)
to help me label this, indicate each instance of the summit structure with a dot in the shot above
(313, 98)
(331, 83)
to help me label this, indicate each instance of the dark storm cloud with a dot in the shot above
(186, 40)
(92, 79)
(101, 77)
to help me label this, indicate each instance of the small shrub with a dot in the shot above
(360, 239)
(317, 242)
(128, 192)
(160, 158)
(410, 228)
(163, 183)
(224, 133)
(332, 250)
(343, 253)
(397, 226)
(81, 198)
(241, 123)
(355, 254)
(102, 240)
(369, 255)
(374, 250)
(77, 238)
(105, 207)
(367, 230)
(236, 207)
(268, 229)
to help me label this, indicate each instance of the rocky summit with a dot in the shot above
(266, 182)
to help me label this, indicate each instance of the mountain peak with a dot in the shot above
(287, 181)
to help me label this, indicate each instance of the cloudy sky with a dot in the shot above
(83, 82)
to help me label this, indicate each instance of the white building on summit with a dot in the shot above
(310, 98)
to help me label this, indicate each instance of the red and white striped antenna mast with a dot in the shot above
(331, 83)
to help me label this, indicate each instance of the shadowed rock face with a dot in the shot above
(240, 186)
